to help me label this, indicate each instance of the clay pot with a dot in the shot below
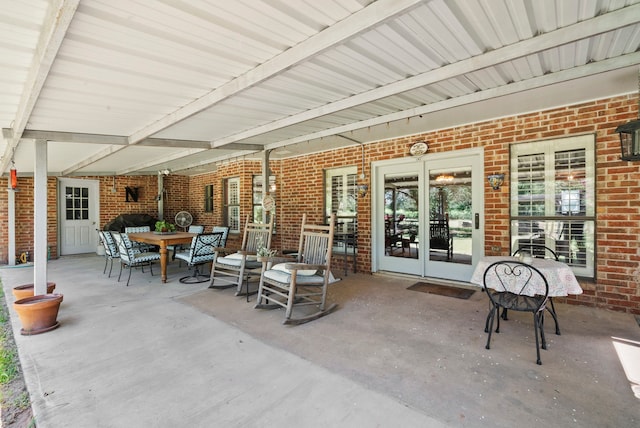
(26, 290)
(38, 314)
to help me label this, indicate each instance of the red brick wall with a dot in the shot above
(299, 182)
(618, 187)
(111, 205)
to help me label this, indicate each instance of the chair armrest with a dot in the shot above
(276, 259)
(304, 266)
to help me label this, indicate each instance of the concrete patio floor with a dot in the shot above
(176, 355)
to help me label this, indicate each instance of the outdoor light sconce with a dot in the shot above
(362, 190)
(496, 180)
(630, 135)
(630, 140)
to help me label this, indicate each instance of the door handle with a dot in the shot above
(477, 221)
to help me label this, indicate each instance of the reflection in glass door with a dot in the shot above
(399, 202)
(450, 216)
(401, 209)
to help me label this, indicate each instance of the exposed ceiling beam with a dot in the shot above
(582, 30)
(374, 14)
(116, 140)
(90, 160)
(121, 140)
(154, 163)
(525, 85)
(59, 16)
(371, 16)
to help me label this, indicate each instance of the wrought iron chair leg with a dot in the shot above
(552, 310)
(536, 322)
(129, 278)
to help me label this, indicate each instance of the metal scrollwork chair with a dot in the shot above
(225, 234)
(304, 280)
(542, 252)
(174, 249)
(110, 249)
(132, 257)
(518, 287)
(202, 251)
(139, 229)
(233, 268)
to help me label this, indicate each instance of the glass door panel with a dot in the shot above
(399, 202)
(450, 215)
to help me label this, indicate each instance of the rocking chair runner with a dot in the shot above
(303, 281)
(233, 269)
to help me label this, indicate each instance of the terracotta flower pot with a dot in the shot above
(38, 314)
(26, 290)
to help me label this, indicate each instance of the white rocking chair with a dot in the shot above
(304, 280)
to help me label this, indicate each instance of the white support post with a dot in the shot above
(160, 196)
(265, 180)
(40, 218)
(11, 220)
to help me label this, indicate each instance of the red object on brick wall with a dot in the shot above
(14, 178)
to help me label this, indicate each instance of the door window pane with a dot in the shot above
(77, 203)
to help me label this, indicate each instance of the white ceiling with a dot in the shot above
(138, 86)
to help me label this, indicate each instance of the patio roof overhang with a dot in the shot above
(118, 88)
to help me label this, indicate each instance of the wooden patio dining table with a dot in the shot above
(163, 239)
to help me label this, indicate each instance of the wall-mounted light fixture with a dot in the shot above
(630, 140)
(496, 180)
(630, 135)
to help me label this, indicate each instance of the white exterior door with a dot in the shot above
(78, 214)
(427, 216)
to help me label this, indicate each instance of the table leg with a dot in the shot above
(163, 261)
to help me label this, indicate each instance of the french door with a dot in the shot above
(428, 214)
(78, 209)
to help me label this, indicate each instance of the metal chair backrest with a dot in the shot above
(225, 233)
(137, 229)
(126, 248)
(518, 279)
(203, 247)
(537, 250)
(110, 247)
(195, 228)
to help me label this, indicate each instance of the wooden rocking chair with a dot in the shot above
(232, 268)
(304, 280)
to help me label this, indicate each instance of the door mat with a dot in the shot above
(443, 290)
